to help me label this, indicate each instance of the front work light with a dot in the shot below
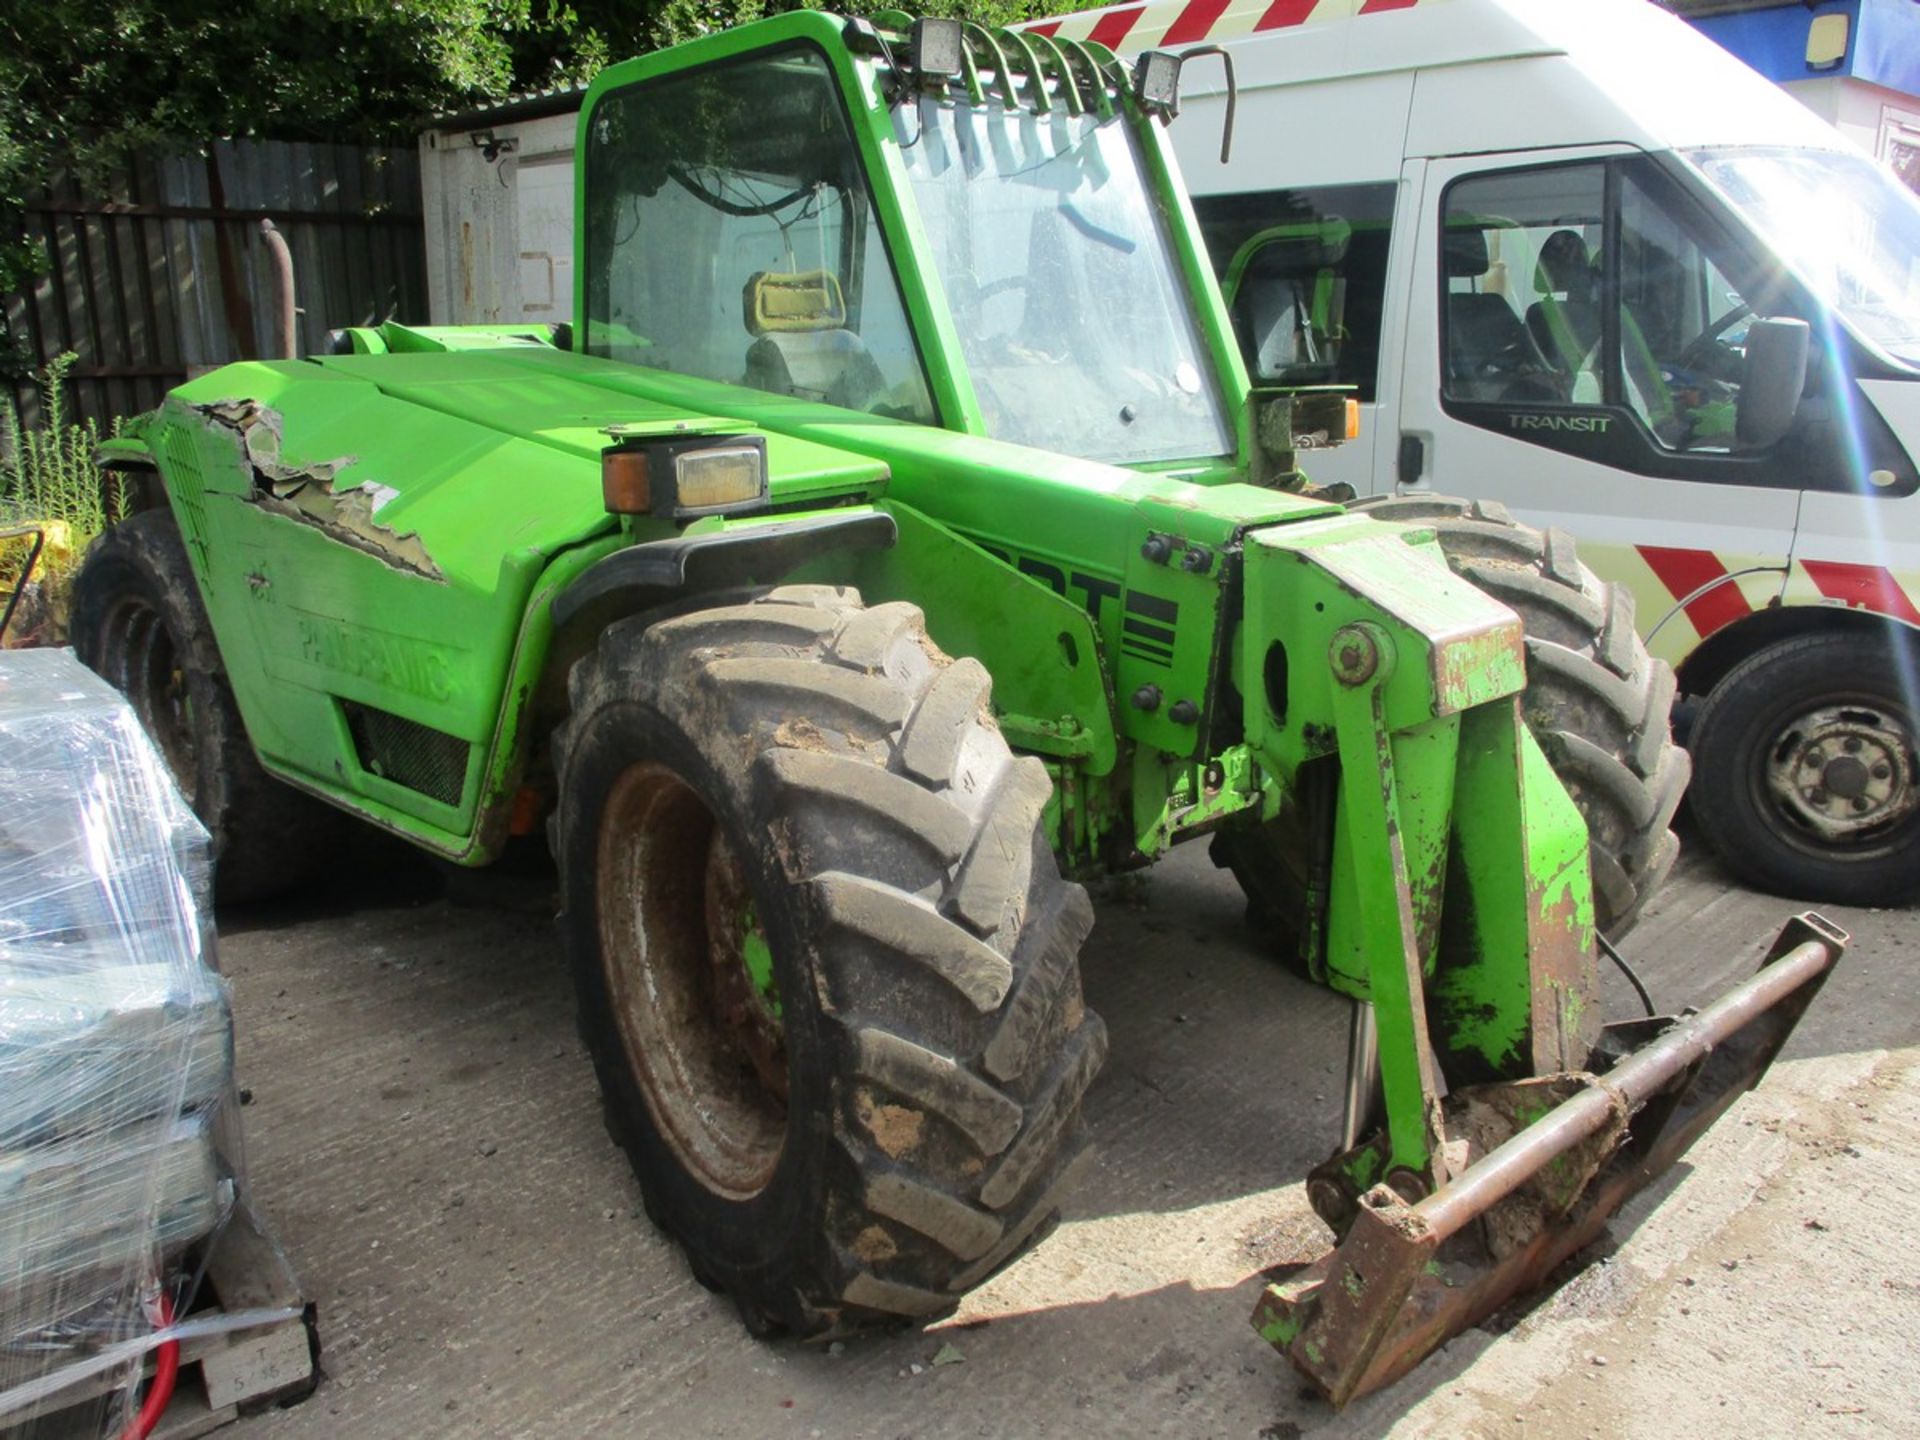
(939, 49)
(1156, 82)
(685, 477)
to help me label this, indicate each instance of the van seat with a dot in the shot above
(1564, 321)
(1489, 352)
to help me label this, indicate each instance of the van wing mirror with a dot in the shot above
(1776, 373)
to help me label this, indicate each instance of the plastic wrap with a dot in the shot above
(116, 1038)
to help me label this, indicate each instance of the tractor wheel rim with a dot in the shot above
(1843, 773)
(703, 1039)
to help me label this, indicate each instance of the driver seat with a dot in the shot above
(801, 344)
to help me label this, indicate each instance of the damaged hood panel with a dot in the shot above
(309, 492)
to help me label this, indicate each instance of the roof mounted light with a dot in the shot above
(1156, 82)
(939, 50)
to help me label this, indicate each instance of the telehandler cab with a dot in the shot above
(896, 342)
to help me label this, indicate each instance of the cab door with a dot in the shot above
(1573, 351)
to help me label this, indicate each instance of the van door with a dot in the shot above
(1572, 351)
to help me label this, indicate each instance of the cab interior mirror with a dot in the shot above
(1776, 373)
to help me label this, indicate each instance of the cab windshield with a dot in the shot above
(1072, 318)
(1846, 227)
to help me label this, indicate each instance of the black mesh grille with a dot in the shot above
(408, 753)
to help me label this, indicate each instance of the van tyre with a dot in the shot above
(827, 968)
(1806, 780)
(1598, 704)
(138, 622)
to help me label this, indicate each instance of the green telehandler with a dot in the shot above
(896, 341)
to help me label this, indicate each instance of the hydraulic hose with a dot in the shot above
(166, 1369)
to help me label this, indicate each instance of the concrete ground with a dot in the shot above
(424, 1136)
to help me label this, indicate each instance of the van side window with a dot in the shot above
(1597, 285)
(1683, 326)
(1520, 257)
(1304, 272)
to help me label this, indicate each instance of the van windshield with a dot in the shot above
(1072, 318)
(1846, 226)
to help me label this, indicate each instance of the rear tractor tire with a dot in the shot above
(1598, 704)
(138, 622)
(827, 968)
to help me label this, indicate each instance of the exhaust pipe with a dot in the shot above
(286, 331)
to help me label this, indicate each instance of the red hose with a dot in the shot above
(166, 1368)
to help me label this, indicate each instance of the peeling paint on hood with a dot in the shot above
(310, 494)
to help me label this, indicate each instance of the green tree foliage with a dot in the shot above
(83, 82)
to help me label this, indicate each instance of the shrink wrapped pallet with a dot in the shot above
(117, 1147)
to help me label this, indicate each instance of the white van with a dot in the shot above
(1537, 237)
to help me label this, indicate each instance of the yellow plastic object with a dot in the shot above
(802, 302)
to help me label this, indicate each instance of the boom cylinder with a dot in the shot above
(1363, 1076)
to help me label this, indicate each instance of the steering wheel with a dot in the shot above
(1705, 352)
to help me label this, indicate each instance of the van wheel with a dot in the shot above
(1598, 704)
(139, 624)
(1808, 782)
(827, 968)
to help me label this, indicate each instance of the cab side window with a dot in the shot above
(1304, 272)
(755, 256)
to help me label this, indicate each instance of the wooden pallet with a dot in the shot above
(221, 1376)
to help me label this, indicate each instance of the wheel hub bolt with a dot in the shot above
(1883, 771)
(1851, 745)
(1859, 806)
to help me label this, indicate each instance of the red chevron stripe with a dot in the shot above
(1195, 21)
(1045, 27)
(1113, 26)
(1869, 587)
(1283, 13)
(1685, 571)
(1372, 7)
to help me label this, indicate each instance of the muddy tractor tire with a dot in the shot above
(1597, 702)
(139, 623)
(1808, 772)
(827, 968)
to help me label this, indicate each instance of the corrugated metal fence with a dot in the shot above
(163, 273)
